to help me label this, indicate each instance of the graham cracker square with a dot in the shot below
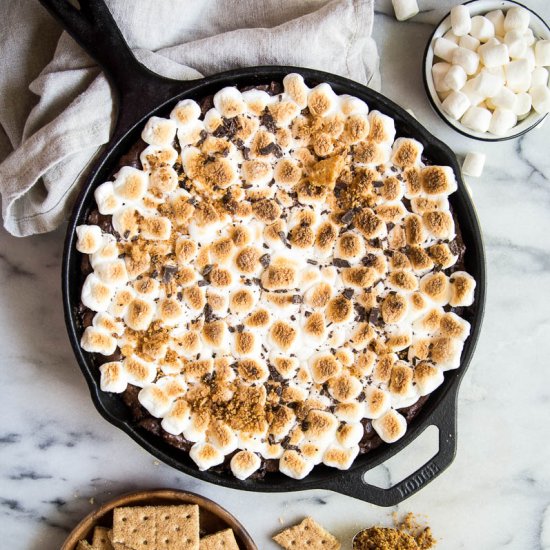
(84, 545)
(177, 527)
(101, 540)
(135, 527)
(223, 540)
(308, 535)
(116, 545)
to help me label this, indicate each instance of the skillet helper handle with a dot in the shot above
(93, 27)
(352, 484)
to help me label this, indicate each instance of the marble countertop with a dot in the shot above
(59, 458)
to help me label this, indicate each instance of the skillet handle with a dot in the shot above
(352, 483)
(93, 27)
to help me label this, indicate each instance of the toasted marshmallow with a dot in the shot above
(121, 301)
(382, 128)
(205, 455)
(320, 427)
(282, 336)
(377, 402)
(215, 335)
(89, 238)
(402, 280)
(296, 89)
(294, 465)
(113, 378)
(339, 310)
(107, 252)
(406, 152)
(244, 463)
(185, 111)
(130, 184)
(177, 418)
(350, 247)
(139, 315)
(439, 224)
(147, 287)
(112, 273)
(106, 322)
(436, 286)
(106, 200)
(155, 155)
(324, 366)
(279, 276)
(222, 437)
(429, 323)
(125, 222)
(349, 412)
(349, 435)
(350, 105)
(314, 330)
(96, 295)
(441, 254)
(390, 427)
(394, 308)
(344, 388)
(159, 131)
(438, 180)
(155, 400)
(139, 372)
(341, 458)
(454, 326)
(427, 377)
(256, 101)
(229, 102)
(322, 100)
(252, 371)
(462, 289)
(445, 352)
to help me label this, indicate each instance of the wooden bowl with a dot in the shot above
(212, 516)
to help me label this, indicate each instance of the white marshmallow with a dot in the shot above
(130, 184)
(473, 164)
(89, 238)
(455, 78)
(439, 71)
(98, 341)
(444, 49)
(466, 58)
(229, 102)
(427, 384)
(487, 84)
(505, 98)
(404, 9)
(390, 427)
(522, 105)
(518, 75)
(205, 455)
(105, 198)
(469, 42)
(477, 118)
(96, 295)
(185, 112)
(482, 28)
(178, 418)
(155, 400)
(516, 42)
(540, 96)
(493, 55)
(449, 35)
(539, 77)
(542, 53)
(496, 17)
(159, 131)
(469, 91)
(456, 104)
(461, 22)
(529, 37)
(529, 56)
(113, 378)
(502, 121)
(517, 18)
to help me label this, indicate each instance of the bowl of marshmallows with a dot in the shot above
(486, 69)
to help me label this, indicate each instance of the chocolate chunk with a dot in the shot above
(296, 299)
(361, 313)
(246, 153)
(377, 184)
(271, 148)
(390, 226)
(348, 216)
(208, 313)
(265, 259)
(368, 260)
(179, 296)
(339, 262)
(454, 247)
(168, 272)
(154, 273)
(228, 128)
(282, 236)
(374, 316)
(203, 282)
(240, 328)
(348, 293)
(207, 269)
(267, 120)
(312, 262)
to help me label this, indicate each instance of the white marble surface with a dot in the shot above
(58, 455)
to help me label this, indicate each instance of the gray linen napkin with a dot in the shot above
(46, 151)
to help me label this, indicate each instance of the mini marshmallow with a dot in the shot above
(155, 400)
(505, 98)
(517, 18)
(404, 9)
(96, 295)
(185, 112)
(439, 71)
(529, 37)
(477, 119)
(518, 75)
(461, 22)
(455, 78)
(488, 84)
(444, 49)
(469, 42)
(98, 341)
(229, 102)
(516, 43)
(456, 104)
(466, 58)
(540, 96)
(542, 53)
(105, 198)
(493, 55)
(502, 121)
(113, 378)
(390, 427)
(522, 105)
(205, 455)
(539, 77)
(482, 28)
(496, 17)
(89, 238)
(469, 91)
(473, 164)
(130, 184)
(449, 35)
(159, 131)
(244, 464)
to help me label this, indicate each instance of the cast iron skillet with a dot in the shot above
(142, 94)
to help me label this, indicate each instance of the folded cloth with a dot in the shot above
(53, 146)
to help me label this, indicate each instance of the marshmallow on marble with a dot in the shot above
(455, 78)
(540, 96)
(466, 58)
(518, 75)
(522, 105)
(477, 119)
(482, 28)
(439, 71)
(473, 164)
(456, 104)
(542, 53)
(539, 77)
(496, 17)
(516, 44)
(444, 49)
(404, 9)
(502, 120)
(493, 55)
(461, 22)
(517, 19)
(469, 42)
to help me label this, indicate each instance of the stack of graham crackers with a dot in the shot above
(157, 528)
